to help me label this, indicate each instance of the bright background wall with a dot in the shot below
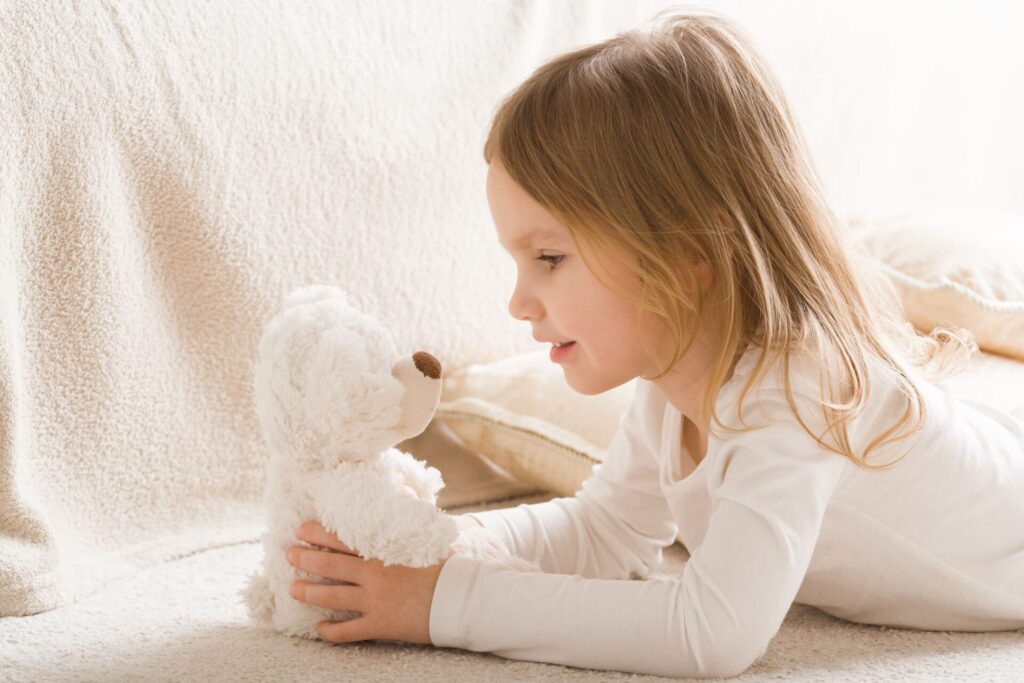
(904, 104)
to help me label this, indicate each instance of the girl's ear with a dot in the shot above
(703, 273)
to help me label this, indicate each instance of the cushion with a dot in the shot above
(963, 268)
(469, 478)
(531, 384)
(529, 448)
(520, 414)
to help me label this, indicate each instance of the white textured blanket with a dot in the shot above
(169, 171)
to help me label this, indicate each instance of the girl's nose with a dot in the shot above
(522, 306)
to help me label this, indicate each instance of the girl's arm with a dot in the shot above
(615, 527)
(770, 487)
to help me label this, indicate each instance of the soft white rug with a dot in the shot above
(181, 621)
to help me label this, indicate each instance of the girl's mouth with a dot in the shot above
(560, 352)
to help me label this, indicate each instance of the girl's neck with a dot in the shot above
(685, 391)
(693, 440)
(685, 385)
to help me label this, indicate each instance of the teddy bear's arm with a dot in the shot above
(369, 514)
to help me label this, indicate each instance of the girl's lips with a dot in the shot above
(559, 353)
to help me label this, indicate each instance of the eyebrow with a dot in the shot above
(526, 239)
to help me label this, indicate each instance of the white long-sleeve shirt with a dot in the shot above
(769, 517)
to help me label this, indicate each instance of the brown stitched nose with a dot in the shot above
(427, 364)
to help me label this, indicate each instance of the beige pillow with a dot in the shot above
(520, 413)
(531, 384)
(527, 447)
(959, 268)
(469, 477)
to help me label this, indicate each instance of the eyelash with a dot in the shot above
(551, 256)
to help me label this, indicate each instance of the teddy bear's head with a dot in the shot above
(330, 385)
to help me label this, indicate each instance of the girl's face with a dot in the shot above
(563, 301)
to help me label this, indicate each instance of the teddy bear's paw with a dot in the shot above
(425, 541)
(426, 481)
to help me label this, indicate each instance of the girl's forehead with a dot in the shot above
(521, 221)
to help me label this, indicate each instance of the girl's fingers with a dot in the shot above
(315, 533)
(328, 564)
(339, 598)
(349, 631)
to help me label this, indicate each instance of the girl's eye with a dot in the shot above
(554, 263)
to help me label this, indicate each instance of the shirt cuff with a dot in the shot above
(449, 601)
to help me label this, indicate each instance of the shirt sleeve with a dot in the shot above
(770, 487)
(616, 525)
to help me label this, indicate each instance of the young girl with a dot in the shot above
(666, 223)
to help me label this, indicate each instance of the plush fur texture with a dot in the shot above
(333, 396)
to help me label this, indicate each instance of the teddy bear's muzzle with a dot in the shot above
(420, 373)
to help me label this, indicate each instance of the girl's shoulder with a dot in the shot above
(806, 382)
(762, 446)
(758, 375)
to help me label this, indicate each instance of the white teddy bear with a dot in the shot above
(333, 396)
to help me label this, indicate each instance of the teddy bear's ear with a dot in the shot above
(311, 293)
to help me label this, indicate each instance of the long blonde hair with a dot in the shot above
(676, 143)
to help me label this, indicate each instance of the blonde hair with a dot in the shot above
(677, 143)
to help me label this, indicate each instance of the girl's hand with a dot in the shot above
(393, 602)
